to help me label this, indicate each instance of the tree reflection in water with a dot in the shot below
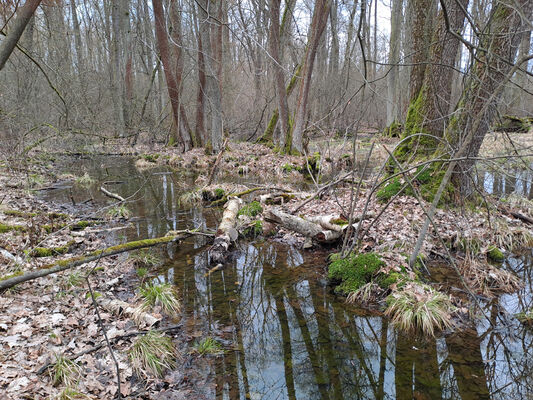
(292, 338)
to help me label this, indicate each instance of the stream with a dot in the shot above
(286, 335)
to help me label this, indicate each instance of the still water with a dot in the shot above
(286, 335)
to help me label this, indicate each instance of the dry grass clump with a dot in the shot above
(419, 307)
(153, 354)
(511, 237)
(367, 294)
(71, 394)
(487, 279)
(64, 371)
(190, 198)
(163, 295)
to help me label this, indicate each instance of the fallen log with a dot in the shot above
(311, 227)
(63, 265)
(119, 307)
(226, 232)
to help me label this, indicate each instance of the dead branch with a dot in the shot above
(215, 165)
(111, 194)
(63, 265)
(119, 307)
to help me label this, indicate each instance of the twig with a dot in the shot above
(111, 194)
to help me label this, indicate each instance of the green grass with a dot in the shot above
(69, 393)
(145, 258)
(526, 317)
(64, 371)
(251, 210)
(75, 279)
(120, 211)
(153, 354)
(163, 295)
(141, 272)
(208, 346)
(420, 308)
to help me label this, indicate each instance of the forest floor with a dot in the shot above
(49, 316)
(54, 315)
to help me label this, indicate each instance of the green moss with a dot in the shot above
(151, 157)
(254, 230)
(311, 164)
(393, 130)
(251, 210)
(21, 214)
(339, 221)
(385, 281)
(7, 228)
(389, 190)
(354, 270)
(495, 254)
(12, 275)
(219, 193)
(80, 225)
(50, 251)
(429, 189)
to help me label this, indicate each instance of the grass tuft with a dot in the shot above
(163, 295)
(419, 307)
(145, 258)
(71, 394)
(64, 371)
(208, 346)
(190, 198)
(85, 180)
(153, 354)
(120, 211)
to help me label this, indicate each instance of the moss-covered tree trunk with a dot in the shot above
(461, 134)
(428, 110)
(494, 66)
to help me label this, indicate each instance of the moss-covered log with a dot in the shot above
(63, 265)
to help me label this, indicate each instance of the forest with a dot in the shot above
(266, 199)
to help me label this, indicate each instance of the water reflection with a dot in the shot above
(288, 337)
(291, 338)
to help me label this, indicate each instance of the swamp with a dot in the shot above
(266, 200)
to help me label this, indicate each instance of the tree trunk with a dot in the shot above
(477, 106)
(10, 41)
(318, 24)
(421, 27)
(394, 59)
(428, 111)
(279, 79)
(172, 86)
(206, 10)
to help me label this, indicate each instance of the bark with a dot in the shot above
(279, 79)
(23, 17)
(177, 135)
(319, 228)
(117, 89)
(394, 59)
(226, 232)
(477, 106)
(428, 111)
(206, 9)
(200, 93)
(77, 41)
(318, 24)
(421, 27)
